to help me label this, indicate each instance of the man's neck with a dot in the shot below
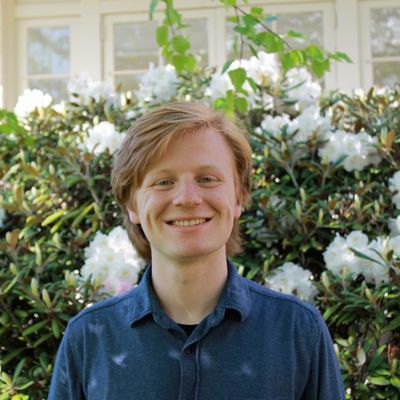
(189, 291)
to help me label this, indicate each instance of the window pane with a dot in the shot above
(48, 50)
(386, 73)
(385, 31)
(135, 45)
(309, 23)
(197, 31)
(127, 82)
(57, 88)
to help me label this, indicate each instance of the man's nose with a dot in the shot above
(187, 195)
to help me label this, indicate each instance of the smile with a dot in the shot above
(189, 222)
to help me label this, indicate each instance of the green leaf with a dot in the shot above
(238, 76)
(286, 61)
(294, 34)
(35, 327)
(319, 67)
(249, 20)
(230, 3)
(393, 325)
(395, 381)
(271, 42)
(256, 11)
(180, 44)
(241, 104)
(179, 62)
(11, 355)
(53, 217)
(226, 66)
(173, 17)
(340, 56)
(162, 35)
(378, 380)
(18, 369)
(190, 63)
(365, 257)
(82, 215)
(153, 5)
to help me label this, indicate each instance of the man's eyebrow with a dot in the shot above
(168, 171)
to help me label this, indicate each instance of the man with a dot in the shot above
(193, 328)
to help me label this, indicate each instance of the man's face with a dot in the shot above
(187, 202)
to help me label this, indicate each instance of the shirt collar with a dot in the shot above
(235, 296)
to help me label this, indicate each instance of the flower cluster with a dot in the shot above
(112, 262)
(263, 70)
(158, 85)
(85, 89)
(103, 137)
(299, 87)
(307, 124)
(394, 186)
(357, 150)
(341, 258)
(30, 101)
(290, 278)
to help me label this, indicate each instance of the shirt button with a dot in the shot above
(189, 350)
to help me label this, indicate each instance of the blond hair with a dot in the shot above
(147, 141)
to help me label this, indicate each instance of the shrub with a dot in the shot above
(324, 222)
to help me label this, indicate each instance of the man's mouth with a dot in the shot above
(189, 222)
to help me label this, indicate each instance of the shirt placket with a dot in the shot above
(189, 371)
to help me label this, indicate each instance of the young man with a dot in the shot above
(193, 328)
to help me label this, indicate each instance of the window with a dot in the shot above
(46, 57)
(131, 47)
(381, 49)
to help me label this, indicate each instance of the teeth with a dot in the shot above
(189, 222)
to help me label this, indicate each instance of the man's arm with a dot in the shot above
(66, 379)
(325, 381)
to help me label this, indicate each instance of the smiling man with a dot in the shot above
(193, 328)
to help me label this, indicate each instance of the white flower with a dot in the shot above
(359, 150)
(2, 217)
(290, 278)
(357, 240)
(341, 260)
(275, 125)
(311, 122)
(111, 261)
(102, 137)
(299, 86)
(394, 186)
(263, 69)
(158, 85)
(30, 101)
(87, 88)
(219, 85)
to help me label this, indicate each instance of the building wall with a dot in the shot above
(96, 37)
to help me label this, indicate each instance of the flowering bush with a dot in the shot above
(323, 223)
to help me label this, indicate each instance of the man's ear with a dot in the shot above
(133, 216)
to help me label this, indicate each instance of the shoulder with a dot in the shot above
(278, 302)
(111, 309)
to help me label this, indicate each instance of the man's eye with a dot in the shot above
(208, 179)
(164, 182)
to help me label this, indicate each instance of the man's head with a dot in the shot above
(147, 143)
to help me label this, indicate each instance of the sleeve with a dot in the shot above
(67, 375)
(325, 381)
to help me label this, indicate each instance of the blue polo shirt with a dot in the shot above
(256, 344)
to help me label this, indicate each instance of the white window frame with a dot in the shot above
(22, 40)
(366, 54)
